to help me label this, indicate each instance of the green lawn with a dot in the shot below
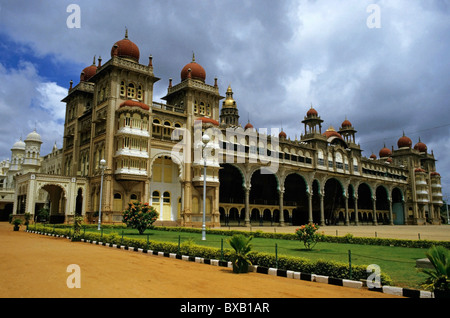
(397, 262)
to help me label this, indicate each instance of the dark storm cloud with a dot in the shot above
(278, 56)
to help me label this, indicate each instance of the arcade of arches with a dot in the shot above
(325, 201)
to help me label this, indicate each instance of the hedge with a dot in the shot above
(298, 264)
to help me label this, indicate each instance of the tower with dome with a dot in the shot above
(111, 114)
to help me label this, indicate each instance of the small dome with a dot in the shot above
(33, 136)
(126, 49)
(435, 174)
(331, 132)
(229, 101)
(346, 123)
(404, 142)
(420, 146)
(248, 126)
(385, 152)
(132, 103)
(197, 72)
(18, 145)
(419, 170)
(373, 156)
(207, 120)
(312, 112)
(282, 134)
(88, 72)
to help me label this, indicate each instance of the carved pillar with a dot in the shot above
(347, 220)
(281, 194)
(322, 211)
(310, 210)
(356, 210)
(247, 206)
(374, 207)
(391, 215)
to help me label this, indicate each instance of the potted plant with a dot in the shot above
(17, 223)
(438, 279)
(242, 247)
(43, 215)
(27, 218)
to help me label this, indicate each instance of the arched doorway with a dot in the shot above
(382, 205)
(56, 203)
(398, 207)
(333, 201)
(231, 181)
(295, 194)
(264, 189)
(365, 205)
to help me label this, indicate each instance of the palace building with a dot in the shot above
(253, 176)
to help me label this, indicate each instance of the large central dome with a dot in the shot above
(197, 72)
(126, 49)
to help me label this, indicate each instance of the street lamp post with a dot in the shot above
(205, 140)
(102, 167)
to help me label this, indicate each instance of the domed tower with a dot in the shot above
(347, 131)
(385, 153)
(198, 98)
(420, 146)
(404, 142)
(312, 122)
(229, 115)
(126, 49)
(32, 162)
(88, 72)
(17, 156)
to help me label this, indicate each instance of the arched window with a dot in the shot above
(166, 197)
(156, 126)
(140, 94)
(155, 197)
(195, 107)
(122, 88)
(133, 197)
(202, 108)
(208, 110)
(131, 91)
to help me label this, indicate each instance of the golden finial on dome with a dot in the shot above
(126, 33)
(193, 57)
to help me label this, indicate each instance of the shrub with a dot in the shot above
(140, 216)
(439, 278)
(242, 247)
(77, 228)
(308, 235)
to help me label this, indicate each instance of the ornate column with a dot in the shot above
(347, 220)
(310, 210)
(356, 210)
(281, 197)
(322, 211)
(391, 215)
(247, 206)
(374, 207)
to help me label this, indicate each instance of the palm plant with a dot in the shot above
(438, 279)
(242, 247)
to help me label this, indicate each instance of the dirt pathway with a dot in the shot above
(33, 265)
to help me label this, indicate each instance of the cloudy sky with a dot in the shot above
(384, 65)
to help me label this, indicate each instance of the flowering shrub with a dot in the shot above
(140, 216)
(308, 235)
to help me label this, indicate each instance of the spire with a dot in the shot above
(126, 33)
(93, 62)
(193, 57)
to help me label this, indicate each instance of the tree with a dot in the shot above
(140, 216)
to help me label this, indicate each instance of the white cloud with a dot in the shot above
(28, 102)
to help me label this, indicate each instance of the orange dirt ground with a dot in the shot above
(35, 266)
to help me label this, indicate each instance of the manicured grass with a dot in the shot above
(398, 262)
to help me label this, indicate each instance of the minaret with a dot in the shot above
(229, 115)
